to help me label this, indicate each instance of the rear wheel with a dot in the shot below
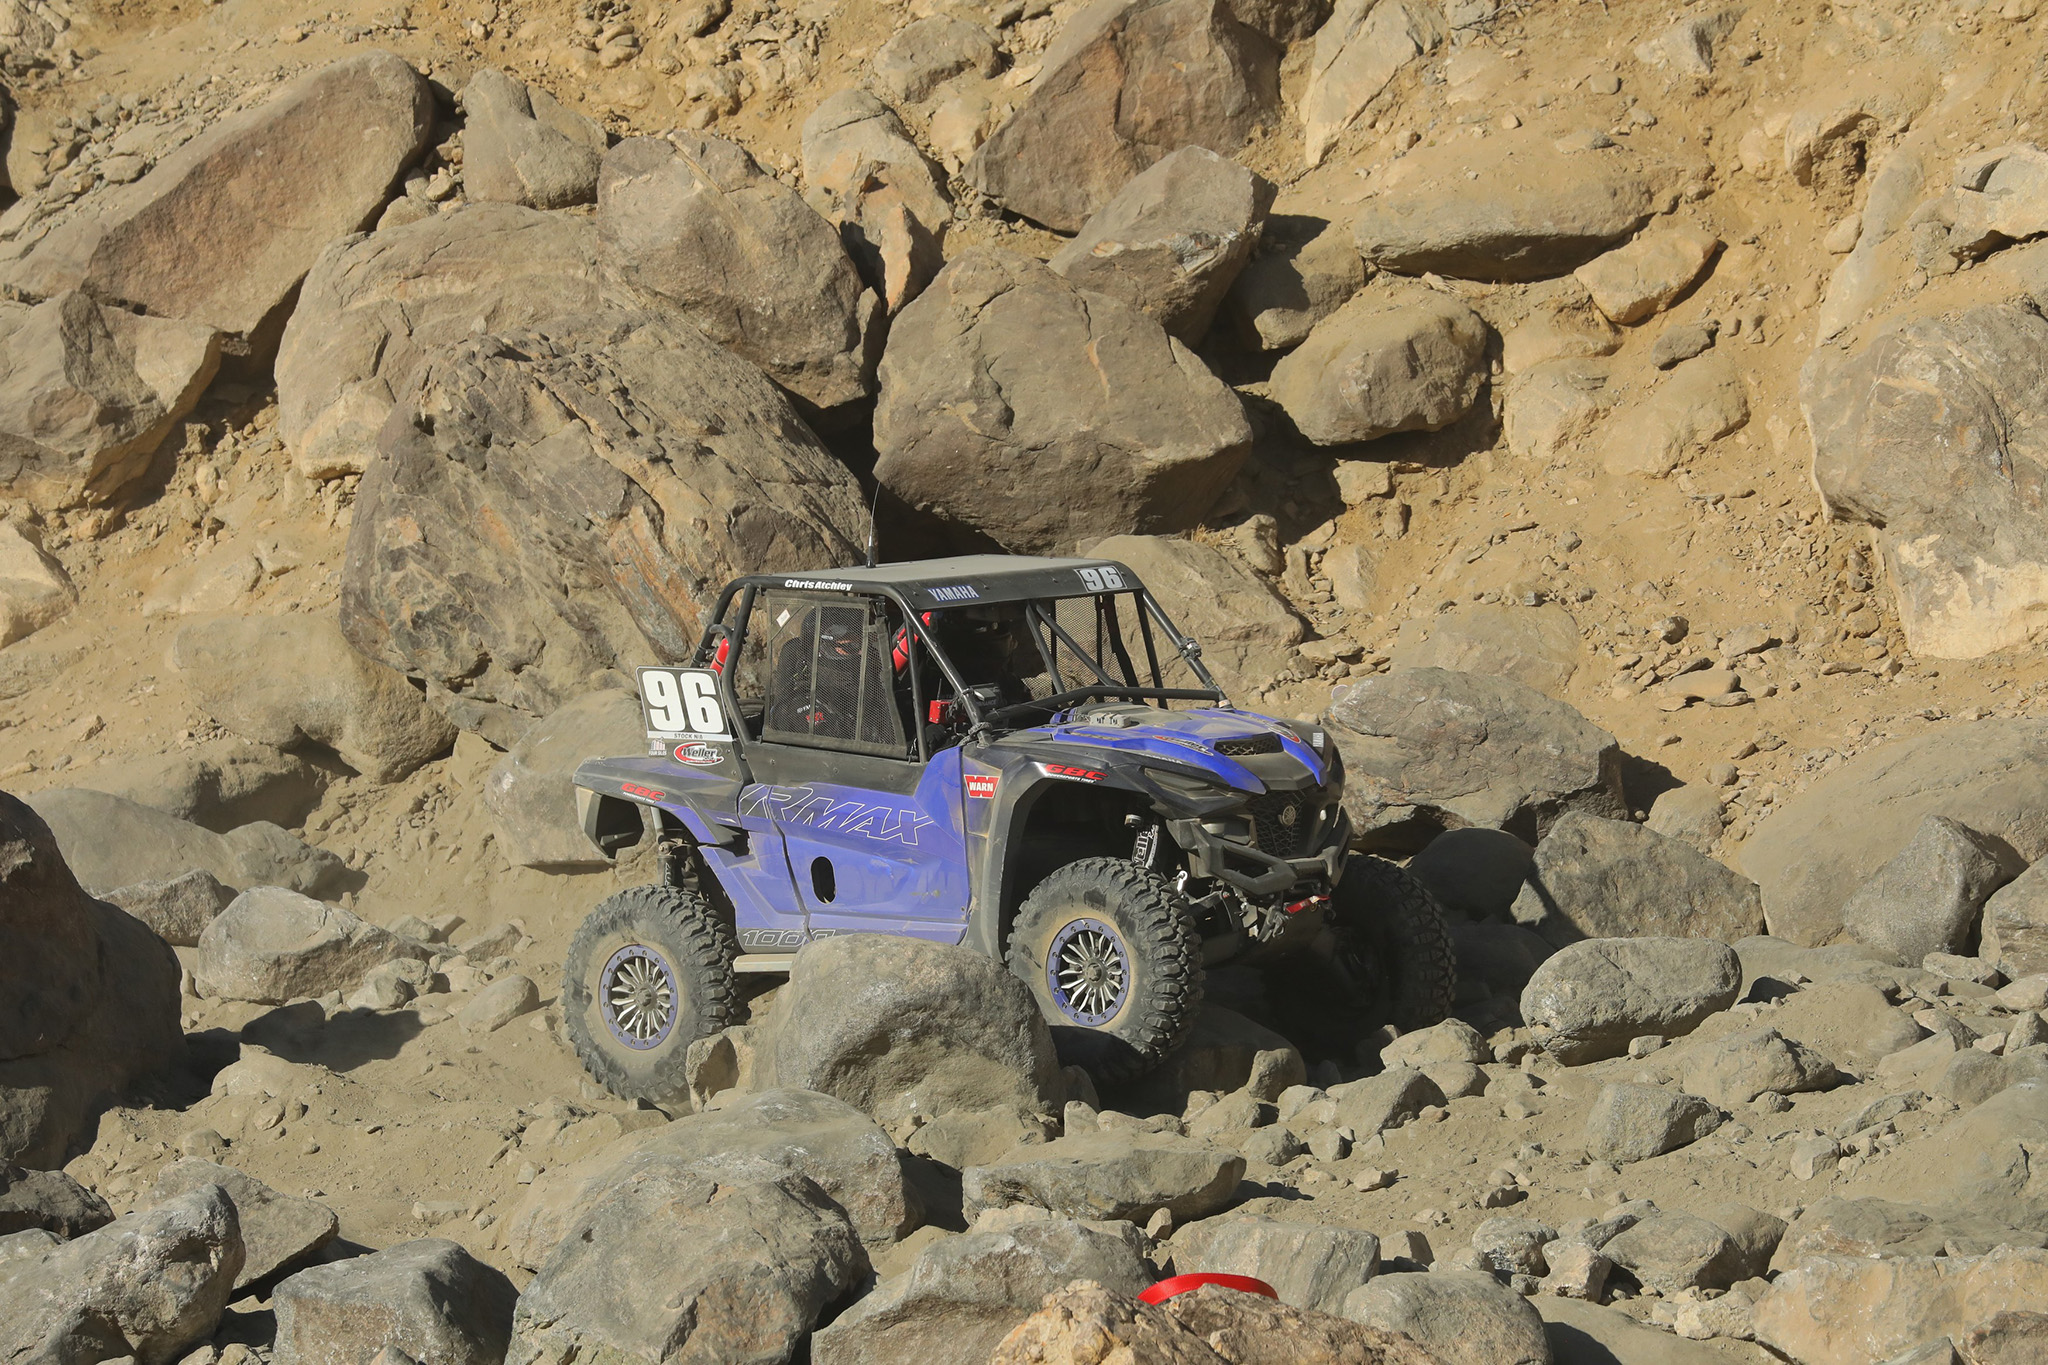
(648, 973)
(1384, 957)
(1114, 960)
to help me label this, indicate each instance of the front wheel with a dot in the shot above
(1384, 957)
(648, 973)
(1115, 963)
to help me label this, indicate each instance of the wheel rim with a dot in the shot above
(1088, 972)
(637, 993)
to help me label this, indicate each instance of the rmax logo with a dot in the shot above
(805, 806)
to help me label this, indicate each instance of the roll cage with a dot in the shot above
(927, 596)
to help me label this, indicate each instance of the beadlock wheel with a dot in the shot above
(648, 973)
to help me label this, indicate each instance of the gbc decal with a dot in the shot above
(806, 806)
(1071, 773)
(645, 793)
(981, 786)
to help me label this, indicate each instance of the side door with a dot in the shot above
(873, 835)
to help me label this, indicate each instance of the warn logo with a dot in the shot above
(807, 807)
(981, 786)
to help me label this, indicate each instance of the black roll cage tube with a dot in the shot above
(1191, 650)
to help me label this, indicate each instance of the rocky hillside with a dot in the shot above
(1620, 425)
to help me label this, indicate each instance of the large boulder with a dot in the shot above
(1737, 1069)
(1928, 898)
(1109, 1175)
(217, 784)
(827, 1141)
(48, 1201)
(149, 1286)
(279, 1231)
(1538, 646)
(927, 52)
(530, 792)
(1508, 208)
(112, 843)
(1304, 270)
(730, 1260)
(1633, 282)
(1982, 1164)
(373, 305)
(1410, 361)
(1247, 631)
(1683, 413)
(2015, 924)
(1088, 1324)
(1428, 749)
(691, 223)
(429, 1298)
(897, 1026)
(1850, 1310)
(88, 997)
(1597, 878)
(1363, 46)
(1003, 380)
(35, 591)
(555, 502)
(1459, 1317)
(1588, 1000)
(90, 393)
(520, 146)
(1125, 83)
(1170, 242)
(272, 945)
(1674, 1252)
(1820, 846)
(222, 230)
(1932, 432)
(963, 1295)
(1308, 1266)
(863, 172)
(287, 680)
(1630, 1122)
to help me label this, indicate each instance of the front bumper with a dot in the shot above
(1210, 855)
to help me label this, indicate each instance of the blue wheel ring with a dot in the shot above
(639, 998)
(1088, 972)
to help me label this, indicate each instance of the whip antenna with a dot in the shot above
(873, 503)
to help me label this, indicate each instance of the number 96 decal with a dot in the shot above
(682, 703)
(1104, 579)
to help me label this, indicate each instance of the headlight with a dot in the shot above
(1188, 787)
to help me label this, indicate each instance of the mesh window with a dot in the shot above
(830, 681)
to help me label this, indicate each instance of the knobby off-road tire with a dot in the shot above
(648, 973)
(1392, 941)
(1115, 963)
(1384, 957)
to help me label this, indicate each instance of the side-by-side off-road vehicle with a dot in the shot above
(1020, 755)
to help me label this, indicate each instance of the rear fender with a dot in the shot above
(703, 798)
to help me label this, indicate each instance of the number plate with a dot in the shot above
(681, 704)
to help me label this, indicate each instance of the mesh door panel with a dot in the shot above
(831, 683)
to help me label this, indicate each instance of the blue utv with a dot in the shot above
(1020, 755)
